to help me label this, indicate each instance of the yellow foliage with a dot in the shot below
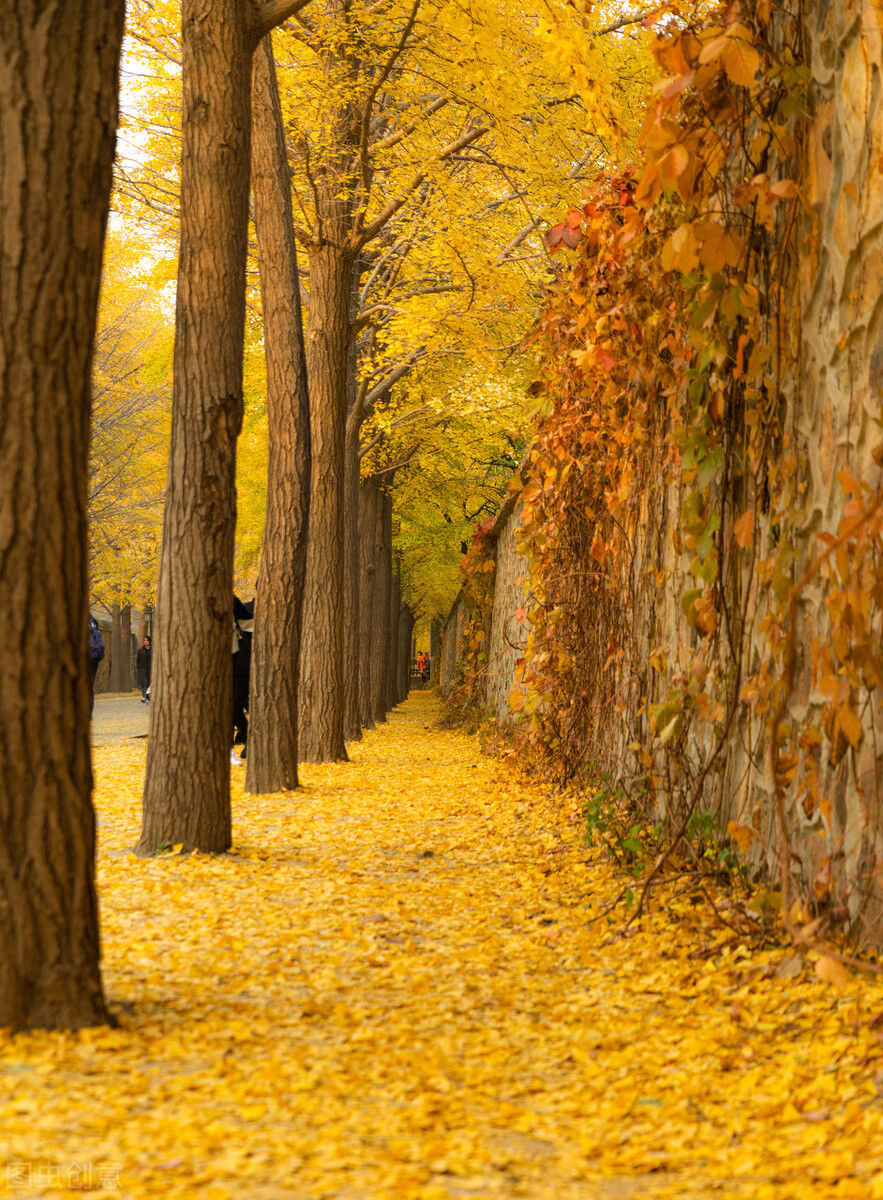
(397, 985)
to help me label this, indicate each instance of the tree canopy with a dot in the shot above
(454, 132)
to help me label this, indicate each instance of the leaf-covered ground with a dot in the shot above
(390, 989)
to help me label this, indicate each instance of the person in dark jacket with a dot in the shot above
(96, 653)
(142, 666)
(243, 627)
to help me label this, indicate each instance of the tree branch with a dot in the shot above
(272, 13)
(624, 21)
(382, 76)
(393, 139)
(403, 462)
(386, 214)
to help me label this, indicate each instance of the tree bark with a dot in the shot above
(125, 676)
(58, 95)
(369, 505)
(116, 648)
(352, 591)
(392, 636)
(186, 794)
(121, 648)
(352, 595)
(380, 606)
(273, 744)
(322, 665)
(331, 255)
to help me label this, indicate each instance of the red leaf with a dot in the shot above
(743, 529)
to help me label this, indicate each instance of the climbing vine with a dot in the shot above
(699, 630)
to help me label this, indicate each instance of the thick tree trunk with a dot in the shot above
(58, 95)
(369, 505)
(272, 742)
(380, 607)
(187, 795)
(352, 591)
(392, 636)
(328, 331)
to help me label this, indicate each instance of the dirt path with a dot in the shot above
(390, 989)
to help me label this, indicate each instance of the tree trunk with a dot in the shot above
(116, 649)
(125, 676)
(120, 648)
(369, 505)
(272, 742)
(392, 636)
(352, 591)
(58, 95)
(380, 607)
(328, 330)
(406, 628)
(187, 793)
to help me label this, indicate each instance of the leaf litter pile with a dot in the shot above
(392, 987)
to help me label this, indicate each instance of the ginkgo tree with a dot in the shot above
(412, 111)
(416, 190)
(187, 786)
(130, 384)
(58, 95)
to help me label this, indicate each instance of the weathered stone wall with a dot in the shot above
(838, 409)
(832, 423)
(508, 635)
(452, 644)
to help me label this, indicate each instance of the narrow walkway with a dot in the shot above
(390, 989)
(119, 717)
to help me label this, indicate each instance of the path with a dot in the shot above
(389, 989)
(119, 717)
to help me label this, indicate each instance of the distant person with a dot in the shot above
(142, 666)
(424, 670)
(243, 628)
(96, 653)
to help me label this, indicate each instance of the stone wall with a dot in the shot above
(831, 424)
(508, 636)
(452, 644)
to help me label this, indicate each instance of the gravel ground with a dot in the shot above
(119, 717)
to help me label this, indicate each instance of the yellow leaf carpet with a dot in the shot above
(390, 988)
